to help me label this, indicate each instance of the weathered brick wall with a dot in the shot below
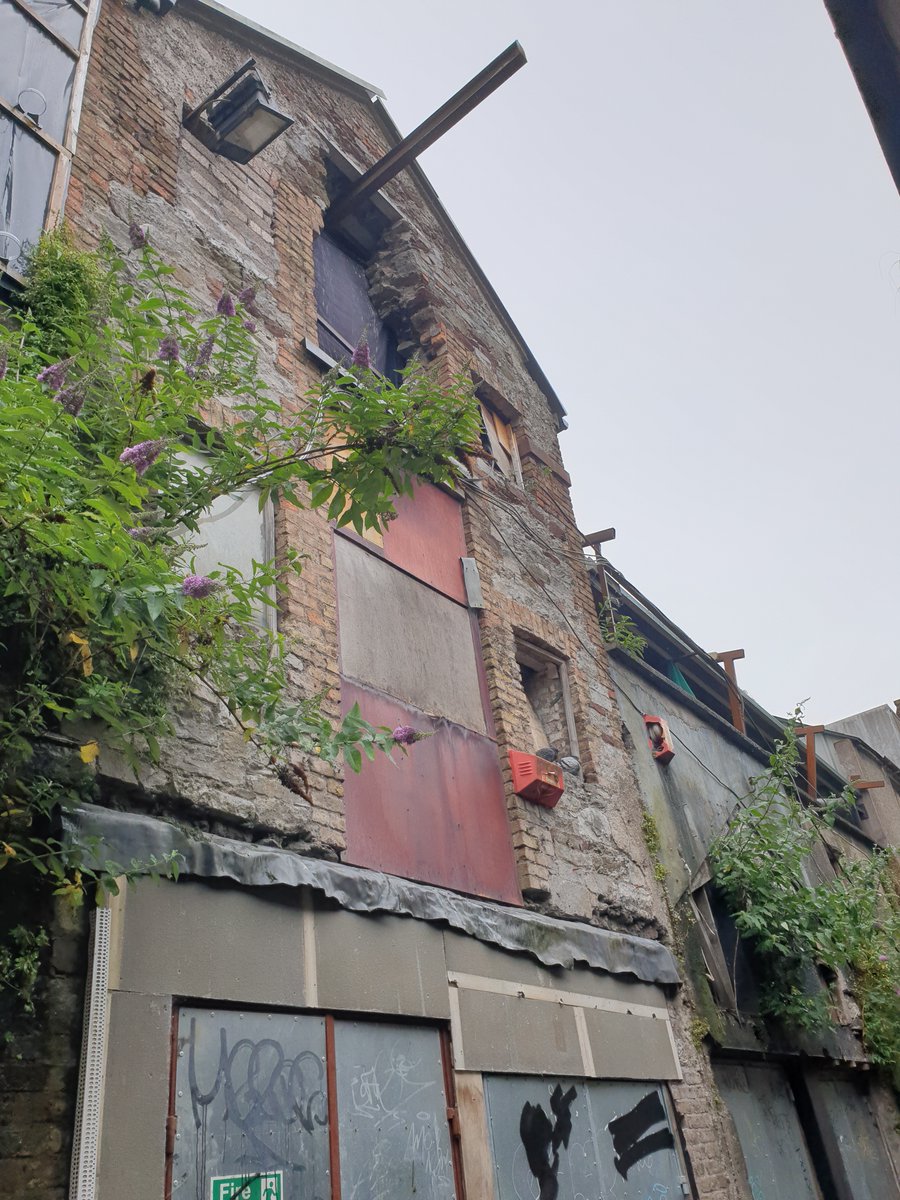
(229, 226)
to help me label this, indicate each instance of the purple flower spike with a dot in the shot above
(198, 587)
(137, 236)
(142, 456)
(225, 307)
(405, 735)
(361, 356)
(169, 350)
(71, 398)
(55, 375)
(247, 297)
(140, 533)
(250, 326)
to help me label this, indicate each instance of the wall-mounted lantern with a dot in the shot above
(241, 121)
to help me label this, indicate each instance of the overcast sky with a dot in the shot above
(685, 208)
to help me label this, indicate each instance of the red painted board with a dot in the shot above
(439, 816)
(426, 539)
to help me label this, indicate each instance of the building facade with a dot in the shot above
(422, 983)
(812, 1117)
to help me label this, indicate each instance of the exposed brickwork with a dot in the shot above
(227, 226)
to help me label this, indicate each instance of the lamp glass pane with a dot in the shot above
(26, 172)
(35, 72)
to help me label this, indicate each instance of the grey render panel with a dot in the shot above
(768, 1128)
(879, 727)
(381, 964)
(511, 1034)
(136, 1098)
(227, 943)
(401, 637)
(469, 955)
(629, 1047)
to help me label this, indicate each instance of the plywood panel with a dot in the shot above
(439, 816)
(512, 1034)
(405, 639)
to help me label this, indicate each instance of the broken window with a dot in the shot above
(498, 439)
(41, 42)
(345, 313)
(546, 686)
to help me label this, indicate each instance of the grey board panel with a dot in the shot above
(405, 639)
(768, 1128)
(136, 1098)
(251, 1100)
(630, 1047)
(224, 942)
(473, 957)
(511, 1034)
(380, 964)
(619, 1145)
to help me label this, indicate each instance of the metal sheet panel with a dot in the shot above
(427, 539)
(380, 964)
(219, 942)
(251, 1100)
(848, 1126)
(405, 639)
(567, 1139)
(768, 1128)
(439, 816)
(394, 1139)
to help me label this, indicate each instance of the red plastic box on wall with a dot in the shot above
(659, 738)
(536, 779)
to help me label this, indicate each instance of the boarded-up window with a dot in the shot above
(565, 1137)
(253, 1108)
(345, 313)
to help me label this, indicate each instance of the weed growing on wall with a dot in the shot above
(619, 630)
(112, 382)
(796, 926)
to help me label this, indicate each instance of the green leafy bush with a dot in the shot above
(110, 379)
(762, 866)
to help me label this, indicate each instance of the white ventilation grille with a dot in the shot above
(83, 1181)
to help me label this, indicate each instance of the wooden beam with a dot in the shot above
(735, 701)
(597, 539)
(428, 132)
(809, 732)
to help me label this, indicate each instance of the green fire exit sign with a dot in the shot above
(265, 1185)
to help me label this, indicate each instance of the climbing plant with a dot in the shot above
(797, 926)
(112, 383)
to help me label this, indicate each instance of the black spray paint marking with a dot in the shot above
(626, 1131)
(263, 1088)
(542, 1139)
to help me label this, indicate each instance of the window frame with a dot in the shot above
(63, 151)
